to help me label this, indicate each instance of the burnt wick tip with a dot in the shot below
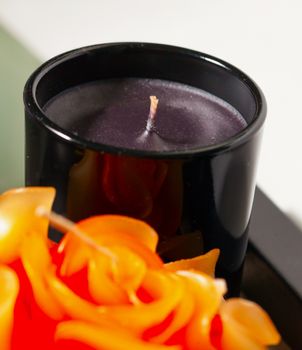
(153, 108)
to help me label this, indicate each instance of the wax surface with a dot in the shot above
(115, 112)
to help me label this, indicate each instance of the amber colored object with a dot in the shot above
(113, 292)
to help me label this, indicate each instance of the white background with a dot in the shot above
(261, 37)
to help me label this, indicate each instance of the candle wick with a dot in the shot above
(153, 108)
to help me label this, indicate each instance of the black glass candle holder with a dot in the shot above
(204, 200)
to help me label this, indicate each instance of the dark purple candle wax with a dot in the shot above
(115, 112)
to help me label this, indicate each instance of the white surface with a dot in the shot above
(262, 37)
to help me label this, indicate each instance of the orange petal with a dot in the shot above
(37, 262)
(182, 315)
(9, 290)
(137, 229)
(204, 263)
(207, 295)
(206, 291)
(235, 338)
(167, 290)
(74, 306)
(198, 334)
(76, 255)
(104, 337)
(252, 319)
(101, 287)
(17, 217)
(128, 270)
(111, 230)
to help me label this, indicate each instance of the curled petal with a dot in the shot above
(249, 319)
(207, 294)
(204, 263)
(181, 317)
(235, 338)
(205, 290)
(18, 217)
(75, 255)
(198, 334)
(105, 337)
(110, 230)
(128, 270)
(9, 290)
(36, 260)
(101, 286)
(74, 306)
(166, 291)
(137, 229)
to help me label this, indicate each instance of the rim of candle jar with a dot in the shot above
(34, 109)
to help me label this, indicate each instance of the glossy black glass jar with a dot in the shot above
(206, 197)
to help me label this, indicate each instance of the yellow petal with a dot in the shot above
(74, 306)
(138, 229)
(207, 295)
(252, 318)
(101, 287)
(198, 333)
(9, 289)
(206, 291)
(166, 289)
(36, 261)
(101, 338)
(182, 314)
(204, 263)
(236, 338)
(17, 217)
(129, 269)
(76, 255)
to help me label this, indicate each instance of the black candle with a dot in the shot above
(191, 175)
(115, 112)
